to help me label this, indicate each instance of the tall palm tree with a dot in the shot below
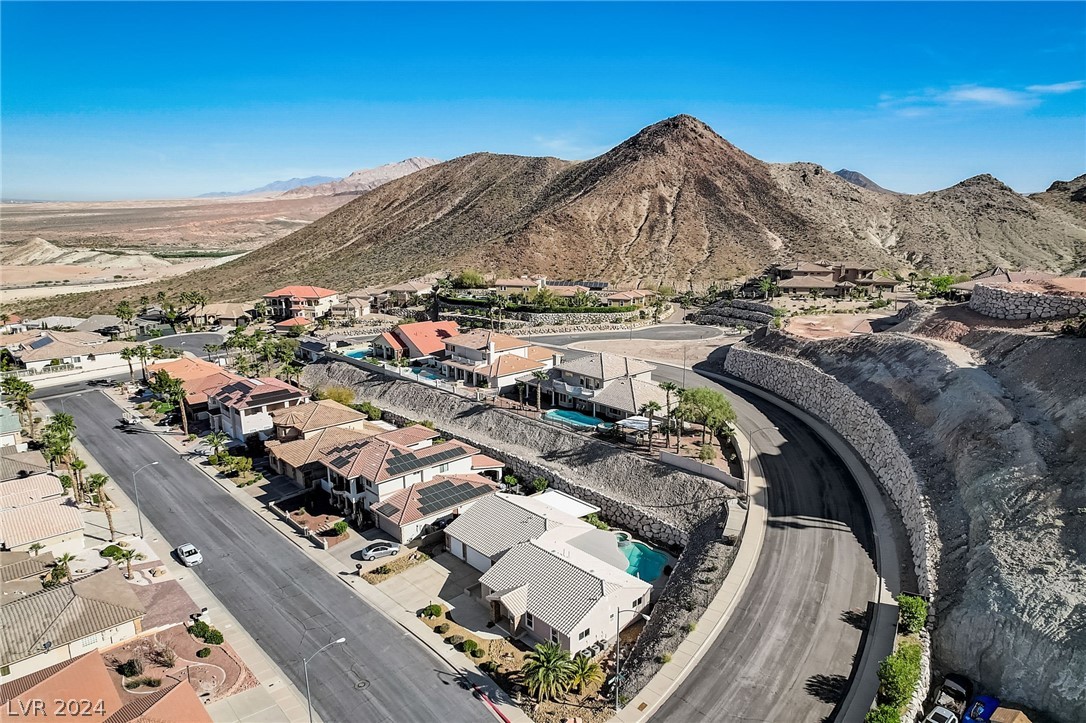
(128, 555)
(548, 671)
(97, 483)
(210, 349)
(62, 567)
(649, 409)
(585, 674)
(669, 388)
(540, 376)
(77, 466)
(126, 314)
(143, 354)
(128, 354)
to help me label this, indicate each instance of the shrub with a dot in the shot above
(382, 570)
(441, 629)
(131, 668)
(913, 612)
(454, 640)
(898, 675)
(690, 627)
(369, 410)
(165, 656)
(110, 551)
(539, 484)
(199, 629)
(203, 652)
(213, 637)
(239, 465)
(594, 520)
(340, 528)
(489, 667)
(427, 423)
(511, 480)
(664, 658)
(343, 395)
(66, 481)
(477, 653)
(469, 645)
(883, 714)
(707, 453)
(431, 611)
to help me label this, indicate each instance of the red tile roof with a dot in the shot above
(296, 321)
(481, 461)
(404, 507)
(428, 336)
(394, 343)
(82, 678)
(301, 292)
(408, 436)
(246, 393)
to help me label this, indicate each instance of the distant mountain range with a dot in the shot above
(858, 179)
(358, 182)
(272, 189)
(675, 205)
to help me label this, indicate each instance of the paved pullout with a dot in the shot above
(290, 606)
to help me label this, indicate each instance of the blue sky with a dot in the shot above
(155, 100)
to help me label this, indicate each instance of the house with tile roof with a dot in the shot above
(364, 473)
(199, 378)
(415, 341)
(633, 297)
(311, 418)
(485, 358)
(408, 290)
(11, 429)
(415, 510)
(67, 620)
(14, 463)
(550, 591)
(602, 384)
(228, 314)
(22, 573)
(243, 409)
(13, 323)
(36, 510)
(300, 302)
(303, 459)
(36, 349)
(519, 285)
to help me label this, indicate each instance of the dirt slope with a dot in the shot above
(1069, 196)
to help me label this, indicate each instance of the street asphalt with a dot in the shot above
(290, 606)
(194, 342)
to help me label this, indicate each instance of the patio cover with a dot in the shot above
(569, 504)
(637, 423)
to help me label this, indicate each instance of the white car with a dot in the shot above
(189, 555)
(939, 714)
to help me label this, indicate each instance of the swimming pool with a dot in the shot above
(573, 419)
(357, 353)
(424, 374)
(645, 562)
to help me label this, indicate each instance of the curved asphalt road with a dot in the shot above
(190, 342)
(289, 605)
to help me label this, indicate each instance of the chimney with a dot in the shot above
(490, 349)
(556, 358)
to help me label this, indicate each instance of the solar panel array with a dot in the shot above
(272, 396)
(43, 341)
(446, 494)
(387, 509)
(400, 463)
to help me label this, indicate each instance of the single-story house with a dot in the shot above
(226, 314)
(36, 510)
(412, 512)
(807, 285)
(38, 349)
(521, 285)
(405, 292)
(288, 325)
(15, 464)
(22, 573)
(416, 340)
(65, 621)
(11, 429)
(634, 297)
(13, 323)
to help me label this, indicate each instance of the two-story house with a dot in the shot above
(484, 358)
(243, 409)
(362, 473)
(300, 302)
(603, 384)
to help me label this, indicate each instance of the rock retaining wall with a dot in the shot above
(735, 312)
(1001, 302)
(862, 427)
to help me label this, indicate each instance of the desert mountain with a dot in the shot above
(675, 205)
(364, 180)
(272, 189)
(1069, 196)
(858, 179)
(34, 251)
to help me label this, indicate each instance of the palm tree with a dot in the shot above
(143, 354)
(62, 567)
(97, 483)
(548, 671)
(649, 409)
(210, 349)
(217, 440)
(128, 354)
(669, 388)
(128, 555)
(35, 548)
(20, 392)
(77, 466)
(585, 674)
(540, 376)
(126, 314)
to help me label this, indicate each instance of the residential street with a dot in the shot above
(289, 605)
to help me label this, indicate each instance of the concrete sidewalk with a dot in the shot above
(275, 700)
(370, 594)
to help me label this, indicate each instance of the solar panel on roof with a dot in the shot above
(39, 343)
(387, 509)
(448, 494)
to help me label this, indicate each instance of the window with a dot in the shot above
(582, 635)
(554, 637)
(637, 603)
(529, 621)
(443, 467)
(92, 640)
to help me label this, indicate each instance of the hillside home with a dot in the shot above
(604, 384)
(522, 285)
(308, 420)
(408, 291)
(44, 350)
(304, 302)
(303, 459)
(242, 409)
(362, 474)
(414, 511)
(1000, 274)
(415, 341)
(199, 378)
(12, 324)
(35, 510)
(225, 314)
(66, 621)
(484, 358)
(634, 297)
(569, 292)
(87, 678)
(352, 308)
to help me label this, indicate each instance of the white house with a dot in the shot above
(603, 384)
(243, 408)
(485, 358)
(35, 510)
(300, 302)
(38, 349)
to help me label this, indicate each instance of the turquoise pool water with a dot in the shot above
(573, 419)
(423, 374)
(357, 353)
(645, 562)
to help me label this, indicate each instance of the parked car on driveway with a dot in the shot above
(379, 549)
(189, 555)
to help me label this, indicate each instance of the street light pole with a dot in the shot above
(305, 668)
(136, 486)
(618, 649)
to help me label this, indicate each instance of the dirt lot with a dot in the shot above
(829, 326)
(664, 352)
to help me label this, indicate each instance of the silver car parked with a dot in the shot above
(379, 549)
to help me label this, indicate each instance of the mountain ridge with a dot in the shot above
(363, 180)
(859, 179)
(275, 187)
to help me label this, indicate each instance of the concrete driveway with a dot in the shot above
(439, 580)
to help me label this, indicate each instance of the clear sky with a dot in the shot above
(145, 100)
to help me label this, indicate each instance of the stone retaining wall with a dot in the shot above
(861, 426)
(550, 318)
(735, 312)
(1001, 302)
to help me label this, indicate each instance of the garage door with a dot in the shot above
(477, 560)
(456, 547)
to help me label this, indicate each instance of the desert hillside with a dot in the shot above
(361, 181)
(674, 205)
(1069, 196)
